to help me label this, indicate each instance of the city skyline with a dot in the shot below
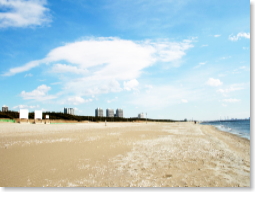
(170, 59)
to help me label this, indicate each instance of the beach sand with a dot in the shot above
(122, 155)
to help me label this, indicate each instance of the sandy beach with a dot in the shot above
(122, 155)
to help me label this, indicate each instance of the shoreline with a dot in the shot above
(234, 133)
(124, 154)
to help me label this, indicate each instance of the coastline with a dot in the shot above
(235, 132)
(122, 155)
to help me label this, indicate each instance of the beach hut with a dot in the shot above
(23, 116)
(38, 116)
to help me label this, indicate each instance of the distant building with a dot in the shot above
(119, 112)
(4, 109)
(141, 115)
(99, 112)
(109, 113)
(69, 111)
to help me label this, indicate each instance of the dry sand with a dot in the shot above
(122, 155)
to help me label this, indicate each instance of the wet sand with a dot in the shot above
(122, 155)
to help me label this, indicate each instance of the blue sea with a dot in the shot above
(238, 127)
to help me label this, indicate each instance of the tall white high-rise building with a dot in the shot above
(4, 108)
(141, 115)
(99, 112)
(109, 112)
(70, 111)
(119, 112)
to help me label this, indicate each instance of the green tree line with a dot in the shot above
(63, 116)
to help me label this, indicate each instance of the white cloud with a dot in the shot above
(240, 70)
(148, 88)
(231, 100)
(239, 36)
(92, 85)
(108, 60)
(200, 64)
(130, 85)
(38, 94)
(126, 57)
(25, 107)
(184, 101)
(205, 45)
(225, 57)
(170, 51)
(214, 82)
(217, 35)
(111, 100)
(63, 68)
(23, 68)
(77, 100)
(28, 75)
(230, 89)
(165, 96)
(21, 13)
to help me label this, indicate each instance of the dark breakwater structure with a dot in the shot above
(12, 115)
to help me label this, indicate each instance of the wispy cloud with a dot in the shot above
(200, 64)
(21, 13)
(217, 35)
(25, 107)
(76, 100)
(111, 100)
(230, 89)
(240, 70)
(231, 100)
(225, 57)
(164, 96)
(184, 100)
(239, 36)
(28, 75)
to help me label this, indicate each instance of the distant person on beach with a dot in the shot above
(194, 122)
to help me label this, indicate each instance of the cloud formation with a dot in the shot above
(40, 93)
(239, 36)
(25, 107)
(77, 100)
(102, 63)
(214, 82)
(63, 68)
(184, 100)
(21, 13)
(131, 85)
(231, 100)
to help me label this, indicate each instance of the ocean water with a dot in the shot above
(239, 127)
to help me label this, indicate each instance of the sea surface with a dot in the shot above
(238, 127)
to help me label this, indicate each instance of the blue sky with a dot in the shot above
(170, 59)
